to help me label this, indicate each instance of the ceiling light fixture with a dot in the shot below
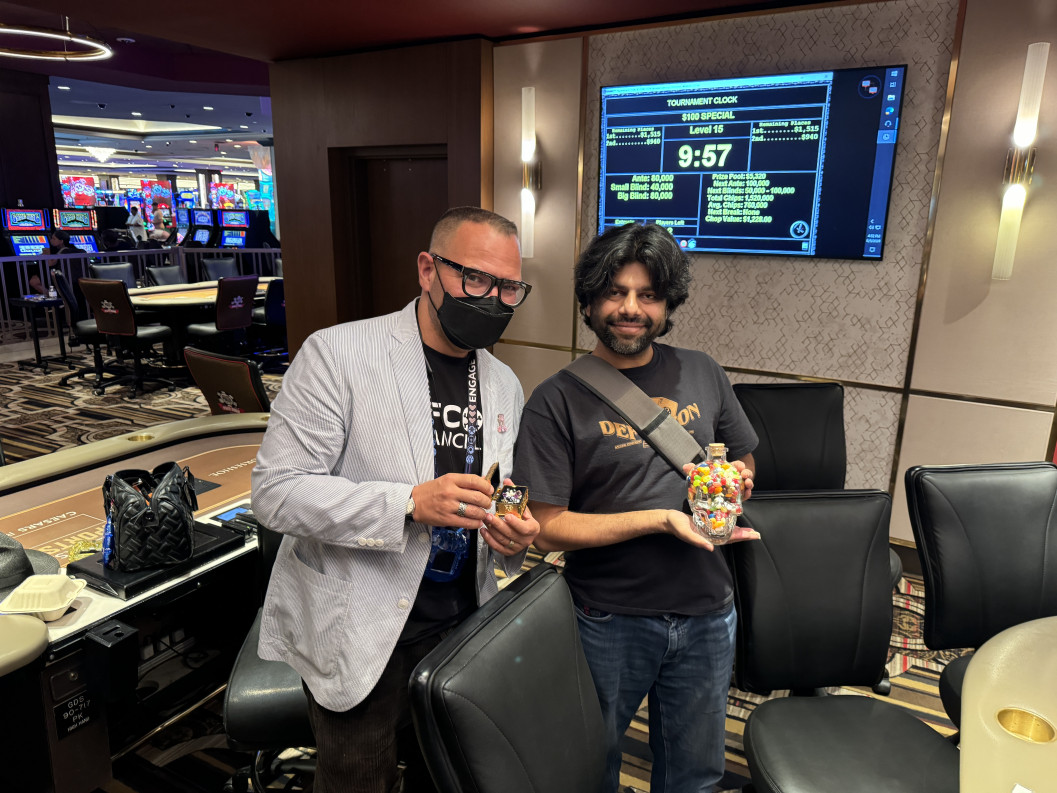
(192, 141)
(243, 126)
(63, 87)
(88, 49)
(101, 153)
(136, 113)
(206, 107)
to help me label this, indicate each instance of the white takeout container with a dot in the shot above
(44, 596)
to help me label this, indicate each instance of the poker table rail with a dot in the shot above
(109, 452)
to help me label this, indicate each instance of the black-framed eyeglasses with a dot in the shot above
(477, 283)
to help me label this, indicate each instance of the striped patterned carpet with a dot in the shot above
(38, 416)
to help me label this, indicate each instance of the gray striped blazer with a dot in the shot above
(350, 434)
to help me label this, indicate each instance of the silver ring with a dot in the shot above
(461, 511)
(510, 544)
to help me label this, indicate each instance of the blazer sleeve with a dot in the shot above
(297, 489)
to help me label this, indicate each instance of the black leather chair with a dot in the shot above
(815, 610)
(506, 703)
(229, 383)
(265, 706)
(82, 330)
(269, 323)
(115, 271)
(987, 539)
(801, 430)
(234, 308)
(224, 267)
(115, 318)
(802, 445)
(165, 276)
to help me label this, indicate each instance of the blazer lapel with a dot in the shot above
(409, 372)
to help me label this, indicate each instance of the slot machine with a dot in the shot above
(183, 224)
(82, 226)
(203, 231)
(233, 226)
(25, 232)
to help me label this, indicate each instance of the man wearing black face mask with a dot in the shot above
(372, 469)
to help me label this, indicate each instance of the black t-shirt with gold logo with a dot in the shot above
(440, 605)
(576, 451)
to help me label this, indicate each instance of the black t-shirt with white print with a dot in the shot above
(575, 451)
(440, 605)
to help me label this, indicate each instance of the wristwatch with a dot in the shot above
(409, 510)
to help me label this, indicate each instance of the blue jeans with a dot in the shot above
(684, 664)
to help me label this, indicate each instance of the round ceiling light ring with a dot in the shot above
(98, 50)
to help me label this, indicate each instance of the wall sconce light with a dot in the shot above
(1020, 160)
(530, 171)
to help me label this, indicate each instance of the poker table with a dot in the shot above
(114, 669)
(202, 294)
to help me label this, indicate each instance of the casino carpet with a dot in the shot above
(38, 416)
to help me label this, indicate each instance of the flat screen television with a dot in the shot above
(203, 217)
(789, 164)
(183, 217)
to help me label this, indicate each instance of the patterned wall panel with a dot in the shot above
(827, 318)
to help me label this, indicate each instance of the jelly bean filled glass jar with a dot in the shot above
(714, 494)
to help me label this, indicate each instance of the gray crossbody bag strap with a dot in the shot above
(654, 423)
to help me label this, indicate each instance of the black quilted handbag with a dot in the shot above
(151, 515)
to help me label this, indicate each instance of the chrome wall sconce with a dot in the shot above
(1020, 160)
(530, 171)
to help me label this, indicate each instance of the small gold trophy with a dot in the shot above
(507, 498)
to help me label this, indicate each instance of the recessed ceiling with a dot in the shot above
(156, 130)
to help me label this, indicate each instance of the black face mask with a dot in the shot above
(472, 323)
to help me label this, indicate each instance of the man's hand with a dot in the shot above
(746, 479)
(456, 500)
(509, 534)
(681, 525)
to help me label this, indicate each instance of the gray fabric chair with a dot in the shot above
(166, 276)
(115, 271)
(224, 267)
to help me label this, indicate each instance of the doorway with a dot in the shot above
(392, 196)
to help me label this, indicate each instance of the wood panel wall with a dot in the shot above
(438, 94)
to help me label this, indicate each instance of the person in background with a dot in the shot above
(372, 469)
(134, 224)
(60, 242)
(113, 240)
(158, 219)
(654, 603)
